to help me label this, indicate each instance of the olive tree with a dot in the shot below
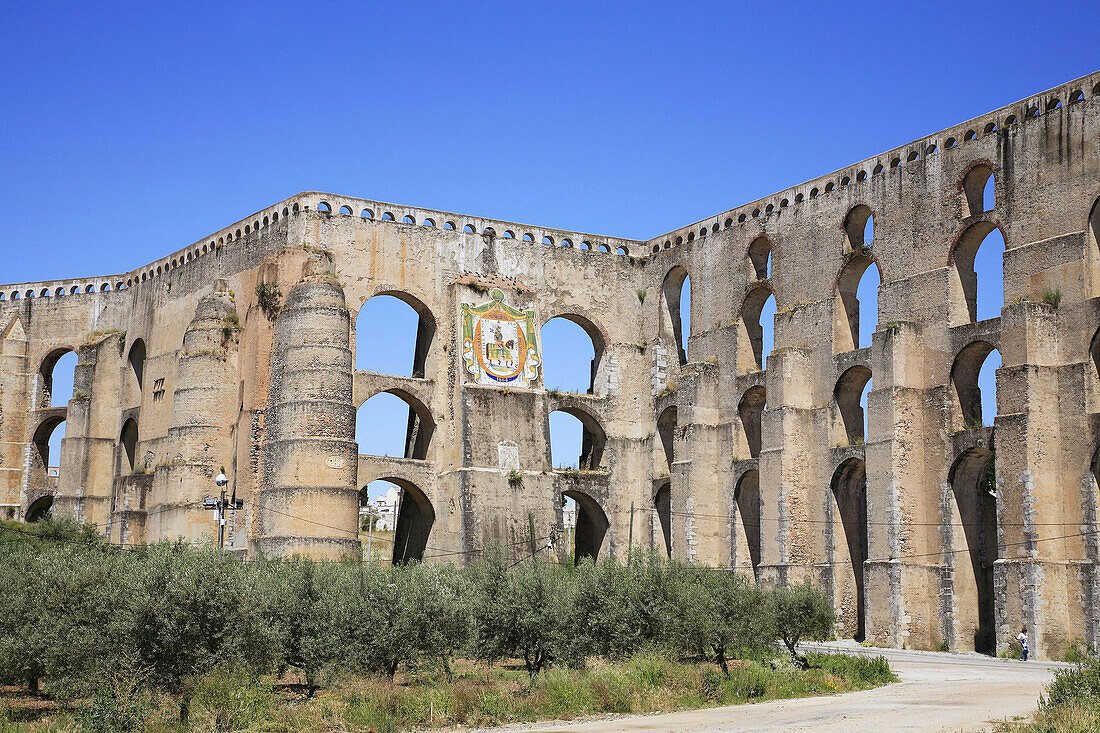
(801, 612)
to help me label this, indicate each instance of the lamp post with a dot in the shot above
(220, 506)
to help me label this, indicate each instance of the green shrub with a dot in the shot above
(60, 599)
(227, 700)
(198, 625)
(268, 296)
(801, 613)
(861, 669)
(1080, 684)
(119, 704)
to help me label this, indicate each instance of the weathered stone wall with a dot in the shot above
(182, 370)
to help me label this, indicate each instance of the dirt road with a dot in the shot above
(937, 692)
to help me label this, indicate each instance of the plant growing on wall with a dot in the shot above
(268, 296)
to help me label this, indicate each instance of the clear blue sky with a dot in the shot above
(130, 130)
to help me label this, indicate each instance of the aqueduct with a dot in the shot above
(860, 463)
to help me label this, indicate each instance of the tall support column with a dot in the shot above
(696, 489)
(1039, 510)
(204, 408)
(902, 571)
(14, 407)
(91, 432)
(790, 542)
(308, 503)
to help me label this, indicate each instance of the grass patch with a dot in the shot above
(476, 695)
(1071, 703)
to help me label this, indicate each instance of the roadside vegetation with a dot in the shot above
(171, 638)
(1071, 703)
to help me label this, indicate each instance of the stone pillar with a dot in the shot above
(1037, 507)
(901, 576)
(696, 488)
(790, 542)
(200, 440)
(14, 407)
(308, 503)
(91, 432)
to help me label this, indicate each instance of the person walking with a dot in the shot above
(1022, 638)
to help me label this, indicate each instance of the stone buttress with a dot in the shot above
(308, 503)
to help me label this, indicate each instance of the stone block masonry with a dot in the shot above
(927, 528)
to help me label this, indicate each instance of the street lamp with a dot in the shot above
(220, 506)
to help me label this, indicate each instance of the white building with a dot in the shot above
(385, 508)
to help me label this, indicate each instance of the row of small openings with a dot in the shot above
(160, 269)
(1032, 112)
(57, 292)
(215, 245)
(324, 207)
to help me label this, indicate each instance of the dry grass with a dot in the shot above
(1070, 718)
(478, 695)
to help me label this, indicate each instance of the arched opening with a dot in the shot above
(591, 526)
(676, 309)
(127, 440)
(346, 210)
(750, 409)
(746, 505)
(760, 254)
(46, 468)
(851, 401)
(974, 489)
(1092, 232)
(137, 360)
(415, 517)
(572, 350)
(758, 324)
(576, 439)
(974, 376)
(58, 371)
(379, 501)
(1094, 224)
(666, 429)
(978, 281)
(394, 423)
(39, 508)
(662, 505)
(978, 189)
(1094, 353)
(324, 207)
(859, 228)
(856, 294)
(849, 491)
(393, 335)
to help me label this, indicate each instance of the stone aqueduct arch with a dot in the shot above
(927, 528)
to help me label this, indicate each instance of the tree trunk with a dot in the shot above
(720, 658)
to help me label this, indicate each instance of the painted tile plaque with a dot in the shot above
(499, 343)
